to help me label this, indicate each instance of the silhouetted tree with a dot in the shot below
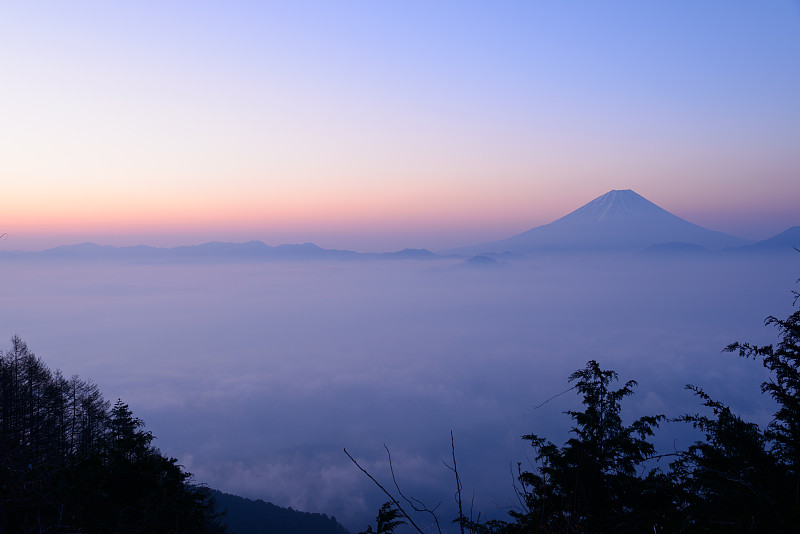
(389, 518)
(68, 463)
(742, 477)
(591, 484)
(783, 363)
(725, 479)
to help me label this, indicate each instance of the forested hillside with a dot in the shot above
(71, 462)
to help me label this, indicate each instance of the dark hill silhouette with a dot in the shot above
(619, 221)
(482, 262)
(246, 516)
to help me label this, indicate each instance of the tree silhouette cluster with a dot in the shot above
(605, 478)
(71, 462)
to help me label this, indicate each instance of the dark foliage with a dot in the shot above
(68, 463)
(389, 518)
(591, 483)
(739, 478)
(724, 481)
(743, 477)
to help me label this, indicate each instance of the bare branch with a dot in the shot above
(454, 469)
(420, 506)
(391, 497)
(554, 397)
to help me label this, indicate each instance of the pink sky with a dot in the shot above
(375, 128)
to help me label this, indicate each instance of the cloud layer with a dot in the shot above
(257, 376)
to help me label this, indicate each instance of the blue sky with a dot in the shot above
(378, 125)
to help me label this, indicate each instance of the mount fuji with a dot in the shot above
(618, 221)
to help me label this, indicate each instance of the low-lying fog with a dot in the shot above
(256, 376)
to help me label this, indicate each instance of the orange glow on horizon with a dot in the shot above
(390, 209)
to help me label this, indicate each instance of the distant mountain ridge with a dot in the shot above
(212, 252)
(618, 221)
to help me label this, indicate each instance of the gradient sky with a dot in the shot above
(383, 125)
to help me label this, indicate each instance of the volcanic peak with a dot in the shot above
(616, 204)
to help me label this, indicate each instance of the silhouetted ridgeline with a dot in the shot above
(213, 252)
(245, 516)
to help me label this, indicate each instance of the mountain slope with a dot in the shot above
(784, 242)
(618, 221)
(245, 516)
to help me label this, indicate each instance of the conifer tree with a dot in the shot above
(69, 464)
(388, 519)
(591, 484)
(742, 477)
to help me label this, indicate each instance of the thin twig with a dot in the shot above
(555, 396)
(420, 506)
(391, 497)
(458, 482)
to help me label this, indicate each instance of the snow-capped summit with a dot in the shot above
(618, 221)
(617, 204)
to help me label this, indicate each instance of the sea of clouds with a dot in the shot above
(256, 376)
